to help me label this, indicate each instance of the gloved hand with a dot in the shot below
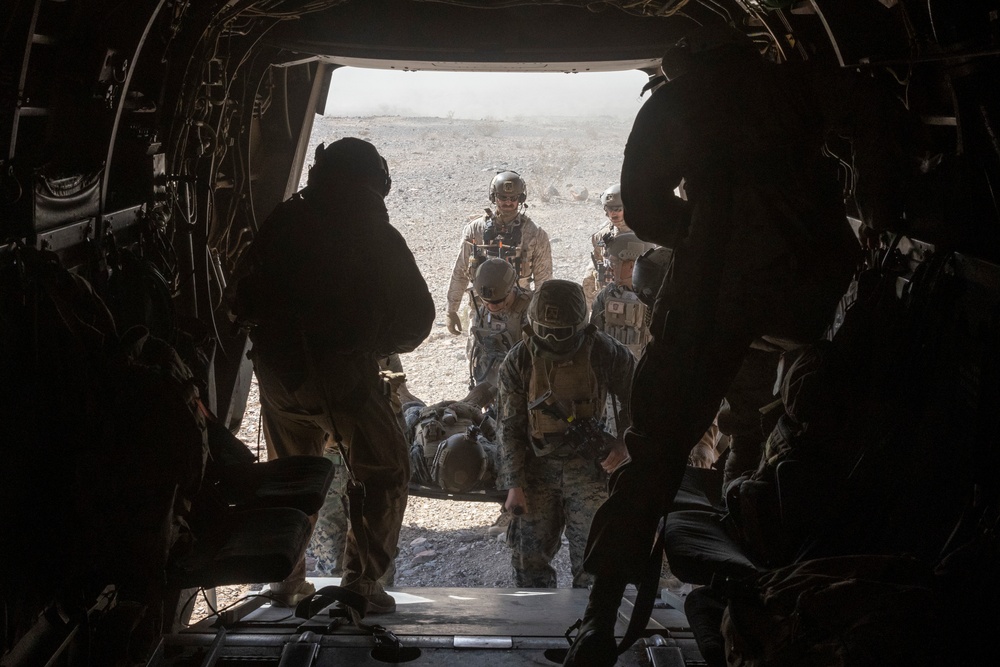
(516, 503)
(454, 323)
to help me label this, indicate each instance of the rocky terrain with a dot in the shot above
(441, 170)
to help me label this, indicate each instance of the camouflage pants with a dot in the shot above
(560, 494)
(344, 394)
(329, 539)
(328, 546)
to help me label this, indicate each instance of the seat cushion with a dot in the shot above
(300, 482)
(698, 547)
(701, 489)
(242, 547)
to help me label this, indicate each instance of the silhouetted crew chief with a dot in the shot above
(762, 247)
(331, 286)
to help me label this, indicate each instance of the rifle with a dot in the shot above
(587, 437)
(599, 269)
(480, 309)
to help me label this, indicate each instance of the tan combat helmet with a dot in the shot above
(612, 197)
(625, 246)
(460, 462)
(494, 280)
(508, 183)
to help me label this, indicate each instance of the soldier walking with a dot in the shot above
(499, 314)
(505, 232)
(617, 309)
(595, 276)
(554, 453)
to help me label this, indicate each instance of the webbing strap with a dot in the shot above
(324, 597)
(647, 592)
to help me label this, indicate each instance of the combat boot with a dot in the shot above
(379, 601)
(595, 645)
(290, 593)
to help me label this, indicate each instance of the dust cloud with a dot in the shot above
(482, 95)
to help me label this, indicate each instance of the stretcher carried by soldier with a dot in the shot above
(505, 232)
(595, 276)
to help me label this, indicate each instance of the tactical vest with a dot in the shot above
(574, 386)
(492, 336)
(503, 243)
(625, 319)
(438, 424)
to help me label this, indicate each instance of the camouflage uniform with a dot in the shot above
(328, 544)
(562, 490)
(492, 335)
(534, 263)
(592, 284)
(618, 312)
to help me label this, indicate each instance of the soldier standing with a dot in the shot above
(617, 309)
(316, 344)
(556, 475)
(507, 233)
(762, 247)
(595, 277)
(499, 312)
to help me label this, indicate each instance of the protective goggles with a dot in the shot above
(508, 197)
(555, 334)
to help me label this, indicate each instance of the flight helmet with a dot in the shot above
(351, 159)
(508, 183)
(494, 280)
(712, 38)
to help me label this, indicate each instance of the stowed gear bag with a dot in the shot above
(851, 610)
(105, 442)
(150, 456)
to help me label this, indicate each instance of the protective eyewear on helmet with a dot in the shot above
(616, 209)
(556, 334)
(495, 302)
(508, 197)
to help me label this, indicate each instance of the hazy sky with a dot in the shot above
(366, 92)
